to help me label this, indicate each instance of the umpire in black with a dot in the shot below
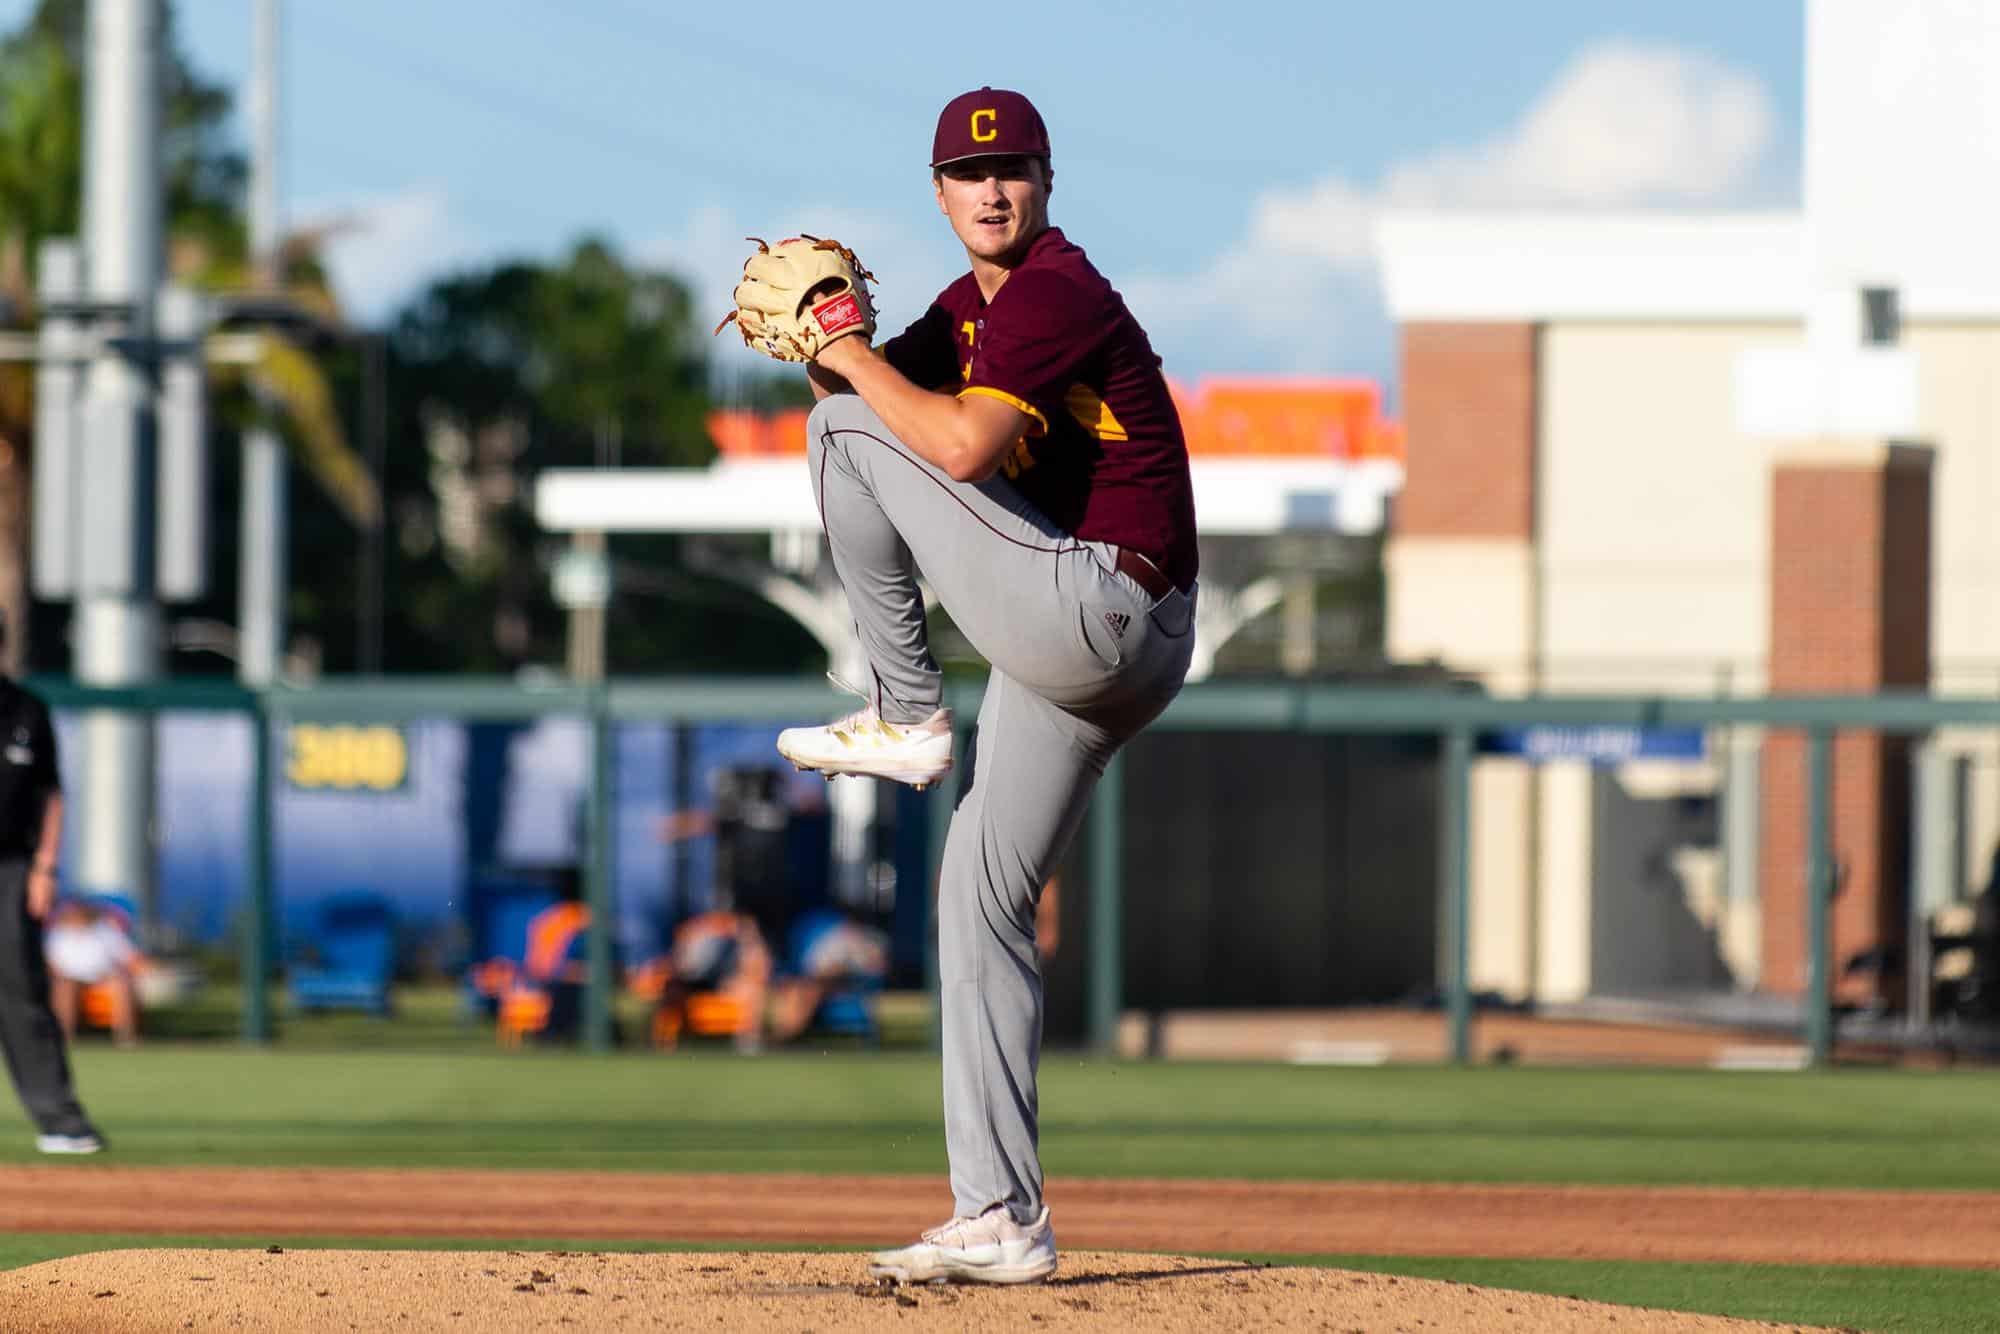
(31, 814)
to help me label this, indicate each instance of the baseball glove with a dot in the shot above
(800, 295)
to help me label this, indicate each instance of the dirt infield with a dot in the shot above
(1367, 1035)
(139, 1292)
(1297, 1218)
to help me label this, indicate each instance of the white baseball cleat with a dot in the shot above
(83, 1142)
(991, 1248)
(914, 753)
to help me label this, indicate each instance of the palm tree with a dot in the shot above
(41, 178)
(285, 380)
(41, 169)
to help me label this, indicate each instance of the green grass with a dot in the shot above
(1887, 1300)
(429, 1017)
(844, 1111)
(424, 1017)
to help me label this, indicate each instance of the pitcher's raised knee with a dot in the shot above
(839, 413)
(825, 418)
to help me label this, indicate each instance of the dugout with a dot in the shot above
(1265, 870)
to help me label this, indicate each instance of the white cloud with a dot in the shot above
(1331, 221)
(381, 249)
(1623, 126)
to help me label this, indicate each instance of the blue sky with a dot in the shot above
(1222, 163)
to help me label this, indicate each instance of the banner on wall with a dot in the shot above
(1597, 745)
(347, 757)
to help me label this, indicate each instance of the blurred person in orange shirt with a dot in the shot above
(744, 946)
(731, 948)
(1048, 918)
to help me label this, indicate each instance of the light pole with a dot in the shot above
(263, 568)
(117, 619)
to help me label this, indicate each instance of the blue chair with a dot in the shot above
(351, 956)
(123, 906)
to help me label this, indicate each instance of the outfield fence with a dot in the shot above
(1456, 718)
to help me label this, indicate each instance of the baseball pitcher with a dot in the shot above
(1017, 444)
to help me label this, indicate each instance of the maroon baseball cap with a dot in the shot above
(988, 122)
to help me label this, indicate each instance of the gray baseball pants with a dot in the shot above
(1082, 658)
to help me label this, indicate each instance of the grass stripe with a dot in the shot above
(851, 1112)
(1919, 1301)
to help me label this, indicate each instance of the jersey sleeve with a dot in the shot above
(1039, 333)
(925, 352)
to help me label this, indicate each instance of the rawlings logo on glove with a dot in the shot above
(799, 295)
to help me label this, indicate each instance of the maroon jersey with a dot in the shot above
(1105, 458)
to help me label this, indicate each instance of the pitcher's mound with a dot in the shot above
(313, 1290)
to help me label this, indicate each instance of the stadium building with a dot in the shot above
(1720, 454)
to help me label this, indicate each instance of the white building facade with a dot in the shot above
(1595, 408)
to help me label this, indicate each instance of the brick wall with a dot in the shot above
(1850, 612)
(1469, 414)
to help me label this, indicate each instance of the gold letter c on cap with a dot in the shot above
(991, 133)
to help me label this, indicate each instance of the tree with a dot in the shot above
(41, 160)
(41, 151)
(492, 375)
(41, 141)
(498, 373)
(41, 186)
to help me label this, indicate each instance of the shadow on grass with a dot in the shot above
(885, 1287)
